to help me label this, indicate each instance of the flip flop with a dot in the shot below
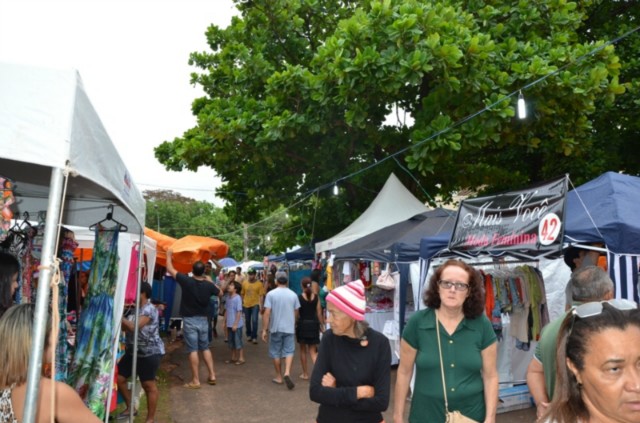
(191, 386)
(211, 381)
(289, 382)
(124, 415)
(239, 362)
(230, 362)
(303, 377)
(277, 382)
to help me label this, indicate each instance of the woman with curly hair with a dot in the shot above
(455, 301)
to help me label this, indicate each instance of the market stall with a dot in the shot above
(61, 162)
(605, 210)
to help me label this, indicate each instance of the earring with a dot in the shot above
(579, 386)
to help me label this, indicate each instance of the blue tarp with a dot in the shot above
(303, 253)
(607, 210)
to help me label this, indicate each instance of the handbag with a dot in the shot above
(387, 280)
(450, 416)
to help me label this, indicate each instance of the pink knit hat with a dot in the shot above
(349, 298)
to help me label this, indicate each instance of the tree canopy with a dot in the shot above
(301, 93)
(172, 214)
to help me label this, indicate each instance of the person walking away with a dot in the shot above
(214, 301)
(587, 284)
(279, 321)
(196, 291)
(455, 301)
(252, 302)
(235, 323)
(150, 352)
(351, 379)
(598, 379)
(309, 325)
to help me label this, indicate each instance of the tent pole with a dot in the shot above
(42, 296)
(136, 329)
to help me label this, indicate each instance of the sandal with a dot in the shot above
(190, 386)
(211, 381)
(239, 362)
(230, 361)
(125, 415)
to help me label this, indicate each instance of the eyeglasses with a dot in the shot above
(595, 308)
(460, 286)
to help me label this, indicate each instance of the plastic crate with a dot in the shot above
(514, 398)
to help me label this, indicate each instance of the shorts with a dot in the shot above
(146, 368)
(281, 344)
(235, 339)
(196, 333)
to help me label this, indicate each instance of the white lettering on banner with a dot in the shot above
(482, 218)
(521, 203)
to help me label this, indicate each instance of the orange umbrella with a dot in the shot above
(164, 242)
(191, 248)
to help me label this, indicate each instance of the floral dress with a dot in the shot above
(93, 361)
(6, 408)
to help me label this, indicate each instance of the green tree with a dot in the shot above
(298, 93)
(172, 214)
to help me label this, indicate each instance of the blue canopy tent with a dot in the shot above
(606, 210)
(303, 253)
(399, 242)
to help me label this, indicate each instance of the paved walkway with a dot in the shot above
(246, 394)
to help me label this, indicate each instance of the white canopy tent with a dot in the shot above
(61, 159)
(394, 203)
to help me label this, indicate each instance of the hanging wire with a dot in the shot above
(415, 179)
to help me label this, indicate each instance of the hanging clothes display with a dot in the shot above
(518, 292)
(68, 244)
(132, 279)
(92, 363)
(18, 242)
(6, 200)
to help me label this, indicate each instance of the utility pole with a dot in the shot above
(245, 238)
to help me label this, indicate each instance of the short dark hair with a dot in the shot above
(236, 285)
(473, 305)
(282, 280)
(569, 255)
(198, 268)
(145, 288)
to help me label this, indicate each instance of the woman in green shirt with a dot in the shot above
(455, 296)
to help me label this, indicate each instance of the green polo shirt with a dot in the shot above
(546, 352)
(462, 357)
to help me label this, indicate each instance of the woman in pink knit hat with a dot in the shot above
(351, 378)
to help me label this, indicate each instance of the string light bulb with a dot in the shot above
(335, 189)
(522, 107)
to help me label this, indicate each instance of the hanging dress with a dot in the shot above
(68, 246)
(93, 361)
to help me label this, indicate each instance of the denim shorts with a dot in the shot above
(196, 333)
(281, 344)
(235, 339)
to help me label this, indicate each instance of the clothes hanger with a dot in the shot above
(109, 218)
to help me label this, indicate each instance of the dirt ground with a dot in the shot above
(246, 394)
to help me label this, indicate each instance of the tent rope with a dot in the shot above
(584, 206)
(55, 325)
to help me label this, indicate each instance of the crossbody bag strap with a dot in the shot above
(444, 385)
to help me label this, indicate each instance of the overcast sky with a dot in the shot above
(132, 57)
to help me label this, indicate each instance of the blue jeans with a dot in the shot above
(251, 321)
